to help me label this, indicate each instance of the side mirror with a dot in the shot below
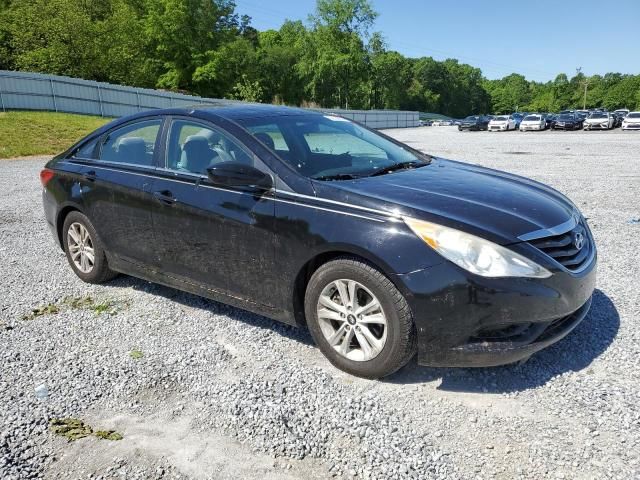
(236, 174)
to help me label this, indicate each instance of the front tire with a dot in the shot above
(359, 319)
(84, 250)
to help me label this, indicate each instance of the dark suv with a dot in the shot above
(475, 122)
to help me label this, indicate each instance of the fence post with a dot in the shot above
(53, 94)
(100, 101)
(1, 99)
(138, 99)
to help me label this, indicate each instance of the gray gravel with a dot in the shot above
(221, 393)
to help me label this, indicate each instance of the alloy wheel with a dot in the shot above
(352, 320)
(80, 247)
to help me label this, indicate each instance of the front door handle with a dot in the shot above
(165, 196)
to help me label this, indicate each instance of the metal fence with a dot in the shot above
(35, 91)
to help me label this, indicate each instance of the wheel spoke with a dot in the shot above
(377, 318)
(369, 307)
(327, 314)
(367, 349)
(346, 341)
(335, 338)
(330, 304)
(342, 291)
(74, 235)
(89, 253)
(375, 343)
(351, 286)
(75, 255)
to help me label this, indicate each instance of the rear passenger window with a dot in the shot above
(87, 150)
(133, 144)
(194, 147)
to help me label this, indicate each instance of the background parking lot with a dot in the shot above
(203, 390)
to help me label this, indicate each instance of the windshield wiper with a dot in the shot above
(337, 176)
(398, 166)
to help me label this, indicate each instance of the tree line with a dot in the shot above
(206, 47)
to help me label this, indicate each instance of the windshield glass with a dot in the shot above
(634, 115)
(532, 118)
(565, 117)
(501, 119)
(329, 147)
(471, 117)
(598, 115)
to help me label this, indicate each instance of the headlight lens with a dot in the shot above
(475, 254)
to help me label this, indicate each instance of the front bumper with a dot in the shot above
(468, 321)
(524, 128)
(596, 126)
(631, 126)
(498, 128)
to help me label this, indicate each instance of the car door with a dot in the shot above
(116, 188)
(219, 238)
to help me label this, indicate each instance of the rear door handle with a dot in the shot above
(90, 176)
(165, 196)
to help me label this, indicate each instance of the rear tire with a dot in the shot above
(84, 250)
(339, 330)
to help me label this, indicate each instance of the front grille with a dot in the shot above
(563, 248)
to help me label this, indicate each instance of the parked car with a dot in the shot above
(599, 121)
(533, 122)
(311, 219)
(442, 123)
(474, 122)
(631, 121)
(549, 119)
(623, 112)
(502, 123)
(517, 118)
(567, 121)
(617, 119)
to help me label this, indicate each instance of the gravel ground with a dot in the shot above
(201, 390)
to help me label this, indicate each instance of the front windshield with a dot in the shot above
(328, 147)
(471, 117)
(598, 115)
(565, 117)
(532, 118)
(633, 115)
(501, 119)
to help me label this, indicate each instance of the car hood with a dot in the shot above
(492, 204)
(596, 120)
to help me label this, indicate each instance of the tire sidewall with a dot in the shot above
(378, 366)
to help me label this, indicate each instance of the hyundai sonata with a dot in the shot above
(380, 250)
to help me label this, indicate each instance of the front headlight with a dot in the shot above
(475, 254)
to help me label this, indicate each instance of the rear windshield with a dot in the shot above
(532, 118)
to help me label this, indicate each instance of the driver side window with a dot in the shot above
(194, 147)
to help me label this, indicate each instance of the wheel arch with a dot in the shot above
(320, 258)
(60, 218)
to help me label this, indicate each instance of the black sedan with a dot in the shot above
(311, 219)
(475, 122)
(567, 121)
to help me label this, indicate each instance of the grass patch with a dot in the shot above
(74, 429)
(136, 354)
(49, 309)
(108, 435)
(43, 133)
(108, 307)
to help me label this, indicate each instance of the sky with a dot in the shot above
(537, 39)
